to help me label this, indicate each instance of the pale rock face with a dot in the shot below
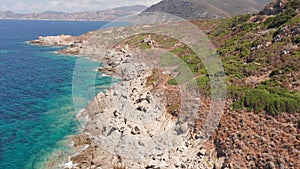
(129, 122)
(62, 40)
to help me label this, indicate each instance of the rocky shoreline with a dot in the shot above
(130, 126)
(242, 140)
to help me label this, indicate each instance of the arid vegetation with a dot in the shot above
(264, 47)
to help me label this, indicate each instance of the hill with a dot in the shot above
(109, 14)
(207, 9)
(261, 57)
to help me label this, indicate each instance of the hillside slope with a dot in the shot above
(207, 9)
(261, 56)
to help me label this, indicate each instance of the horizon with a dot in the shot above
(68, 6)
(68, 12)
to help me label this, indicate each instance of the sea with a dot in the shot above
(37, 110)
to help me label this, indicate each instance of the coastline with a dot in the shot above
(247, 136)
(97, 144)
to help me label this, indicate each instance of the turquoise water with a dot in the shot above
(36, 103)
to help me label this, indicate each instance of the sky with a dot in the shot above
(27, 6)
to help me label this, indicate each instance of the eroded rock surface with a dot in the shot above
(129, 127)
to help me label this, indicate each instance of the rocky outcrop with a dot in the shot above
(62, 40)
(73, 43)
(278, 6)
(128, 126)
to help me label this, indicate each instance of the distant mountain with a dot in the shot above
(207, 9)
(132, 8)
(108, 14)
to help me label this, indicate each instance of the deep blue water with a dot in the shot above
(36, 104)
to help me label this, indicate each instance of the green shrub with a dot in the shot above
(204, 85)
(223, 28)
(273, 100)
(294, 4)
(179, 50)
(173, 82)
(232, 67)
(271, 83)
(267, 37)
(294, 20)
(285, 70)
(240, 19)
(280, 19)
(173, 109)
(248, 26)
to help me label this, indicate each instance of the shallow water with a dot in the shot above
(36, 103)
